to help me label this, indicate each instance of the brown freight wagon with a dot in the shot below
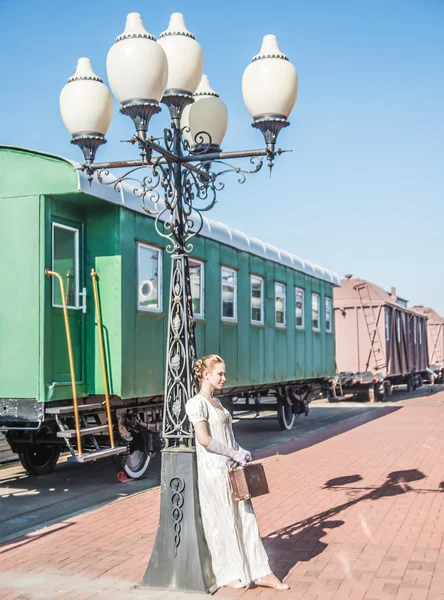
(378, 338)
(435, 340)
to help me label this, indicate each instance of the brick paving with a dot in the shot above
(355, 512)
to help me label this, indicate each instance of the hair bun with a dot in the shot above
(206, 363)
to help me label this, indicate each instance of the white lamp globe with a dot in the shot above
(270, 82)
(136, 65)
(86, 104)
(184, 54)
(207, 115)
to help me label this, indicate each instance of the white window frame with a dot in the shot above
(398, 327)
(234, 272)
(284, 296)
(296, 290)
(261, 280)
(387, 325)
(159, 307)
(415, 325)
(420, 331)
(313, 294)
(200, 315)
(76, 265)
(328, 301)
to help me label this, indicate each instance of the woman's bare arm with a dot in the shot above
(202, 434)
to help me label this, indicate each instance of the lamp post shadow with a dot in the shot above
(302, 541)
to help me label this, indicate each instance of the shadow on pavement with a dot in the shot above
(323, 434)
(28, 539)
(302, 540)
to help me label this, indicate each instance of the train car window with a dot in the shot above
(300, 312)
(398, 327)
(197, 287)
(415, 325)
(315, 311)
(65, 262)
(279, 303)
(328, 325)
(420, 330)
(229, 294)
(387, 324)
(257, 300)
(149, 287)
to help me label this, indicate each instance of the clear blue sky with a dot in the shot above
(363, 190)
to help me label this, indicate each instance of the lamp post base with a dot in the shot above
(180, 559)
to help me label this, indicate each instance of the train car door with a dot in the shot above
(68, 256)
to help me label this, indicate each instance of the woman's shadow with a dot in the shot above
(302, 540)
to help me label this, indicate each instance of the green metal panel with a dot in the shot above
(103, 254)
(20, 303)
(291, 327)
(301, 334)
(199, 253)
(244, 318)
(256, 353)
(270, 327)
(25, 172)
(212, 299)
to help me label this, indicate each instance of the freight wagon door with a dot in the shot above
(67, 260)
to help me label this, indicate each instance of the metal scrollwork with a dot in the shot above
(177, 486)
(177, 190)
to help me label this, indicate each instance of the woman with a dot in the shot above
(237, 553)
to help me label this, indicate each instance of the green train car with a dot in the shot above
(267, 312)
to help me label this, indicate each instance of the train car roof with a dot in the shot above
(124, 195)
(348, 295)
(430, 313)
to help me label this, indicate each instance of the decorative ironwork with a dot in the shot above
(177, 486)
(177, 182)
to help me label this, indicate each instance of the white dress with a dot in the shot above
(230, 527)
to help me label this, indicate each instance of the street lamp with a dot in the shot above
(185, 168)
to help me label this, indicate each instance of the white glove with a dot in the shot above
(241, 456)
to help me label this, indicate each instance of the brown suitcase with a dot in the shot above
(248, 481)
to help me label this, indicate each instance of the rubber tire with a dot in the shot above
(285, 421)
(45, 464)
(388, 388)
(380, 397)
(134, 464)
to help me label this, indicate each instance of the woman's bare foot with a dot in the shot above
(236, 584)
(271, 581)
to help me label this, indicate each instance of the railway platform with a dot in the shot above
(356, 511)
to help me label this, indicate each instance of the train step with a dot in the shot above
(69, 410)
(96, 454)
(337, 399)
(71, 433)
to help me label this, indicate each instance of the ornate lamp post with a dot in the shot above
(185, 168)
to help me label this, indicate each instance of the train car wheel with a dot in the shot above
(388, 388)
(40, 459)
(136, 461)
(285, 416)
(135, 464)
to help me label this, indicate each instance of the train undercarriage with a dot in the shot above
(39, 433)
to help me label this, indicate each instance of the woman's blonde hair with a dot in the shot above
(206, 363)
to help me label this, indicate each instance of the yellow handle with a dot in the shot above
(95, 276)
(50, 273)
